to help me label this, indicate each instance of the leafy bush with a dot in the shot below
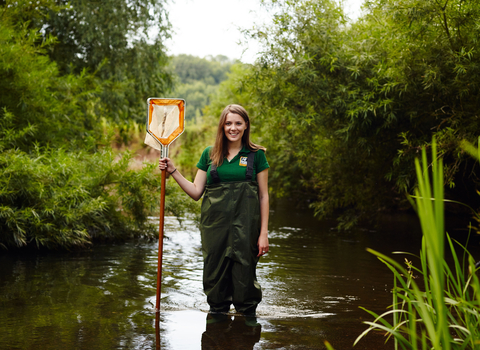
(55, 198)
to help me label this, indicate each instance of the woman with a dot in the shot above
(235, 208)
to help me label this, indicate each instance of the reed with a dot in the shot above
(444, 312)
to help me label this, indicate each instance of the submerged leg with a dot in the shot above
(217, 284)
(247, 292)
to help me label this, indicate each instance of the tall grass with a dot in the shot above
(445, 312)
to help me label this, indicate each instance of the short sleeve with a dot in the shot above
(204, 161)
(261, 162)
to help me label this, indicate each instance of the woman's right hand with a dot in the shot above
(166, 163)
(193, 189)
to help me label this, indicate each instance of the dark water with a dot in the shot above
(314, 280)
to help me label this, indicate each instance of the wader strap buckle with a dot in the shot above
(248, 174)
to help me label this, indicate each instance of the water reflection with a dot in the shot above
(314, 280)
(157, 330)
(230, 332)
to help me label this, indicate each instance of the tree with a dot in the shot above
(61, 185)
(198, 80)
(344, 107)
(210, 70)
(39, 106)
(122, 42)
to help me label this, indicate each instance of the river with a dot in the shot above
(314, 281)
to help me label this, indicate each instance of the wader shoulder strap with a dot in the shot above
(214, 174)
(248, 174)
(250, 159)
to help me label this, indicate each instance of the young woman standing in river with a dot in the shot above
(233, 176)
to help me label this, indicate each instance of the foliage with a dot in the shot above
(230, 91)
(433, 78)
(61, 184)
(445, 315)
(210, 70)
(121, 41)
(329, 347)
(198, 80)
(38, 105)
(475, 153)
(345, 107)
(56, 198)
(197, 95)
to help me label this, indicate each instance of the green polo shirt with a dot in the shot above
(235, 169)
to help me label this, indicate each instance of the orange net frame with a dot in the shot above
(165, 121)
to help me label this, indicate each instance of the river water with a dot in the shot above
(314, 281)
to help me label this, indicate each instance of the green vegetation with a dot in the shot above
(445, 314)
(113, 39)
(344, 108)
(199, 79)
(61, 185)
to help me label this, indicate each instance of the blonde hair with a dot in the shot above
(220, 148)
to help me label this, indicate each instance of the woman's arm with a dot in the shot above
(262, 244)
(193, 189)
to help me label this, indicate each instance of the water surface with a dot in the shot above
(314, 280)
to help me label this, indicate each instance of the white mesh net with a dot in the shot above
(164, 122)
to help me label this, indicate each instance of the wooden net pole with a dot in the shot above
(164, 153)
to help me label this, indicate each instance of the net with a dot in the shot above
(165, 121)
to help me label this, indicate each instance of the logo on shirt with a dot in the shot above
(243, 161)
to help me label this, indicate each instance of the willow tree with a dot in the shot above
(344, 107)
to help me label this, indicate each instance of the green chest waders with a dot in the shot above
(230, 227)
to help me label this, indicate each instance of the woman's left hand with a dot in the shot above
(262, 245)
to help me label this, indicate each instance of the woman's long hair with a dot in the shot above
(220, 148)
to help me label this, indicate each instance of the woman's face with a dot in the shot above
(234, 127)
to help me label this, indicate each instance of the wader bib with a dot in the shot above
(230, 227)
